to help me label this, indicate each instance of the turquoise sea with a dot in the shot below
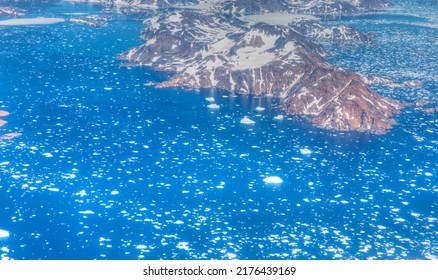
(108, 168)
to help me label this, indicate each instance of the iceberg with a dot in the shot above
(4, 234)
(305, 151)
(86, 212)
(247, 120)
(210, 99)
(213, 106)
(279, 117)
(259, 109)
(273, 180)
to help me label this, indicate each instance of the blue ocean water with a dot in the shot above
(107, 168)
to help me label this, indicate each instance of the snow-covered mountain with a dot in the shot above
(206, 50)
(324, 8)
(145, 4)
(262, 47)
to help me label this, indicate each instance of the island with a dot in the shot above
(264, 48)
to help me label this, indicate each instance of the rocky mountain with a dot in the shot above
(208, 49)
(324, 8)
(328, 9)
(145, 4)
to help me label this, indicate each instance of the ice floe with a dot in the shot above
(247, 120)
(4, 234)
(86, 212)
(141, 247)
(279, 117)
(213, 106)
(31, 21)
(183, 246)
(273, 180)
(305, 151)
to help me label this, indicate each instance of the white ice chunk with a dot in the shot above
(231, 255)
(210, 99)
(247, 120)
(259, 109)
(213, 106)
(82, 193)
(86, 212)
(183, 246)
(114, 192)
(4, 234)
(273, 180)
(305, 151)
(279, 117)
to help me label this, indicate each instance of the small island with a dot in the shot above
(268, 48)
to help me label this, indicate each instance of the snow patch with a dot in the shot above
(277, 18)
